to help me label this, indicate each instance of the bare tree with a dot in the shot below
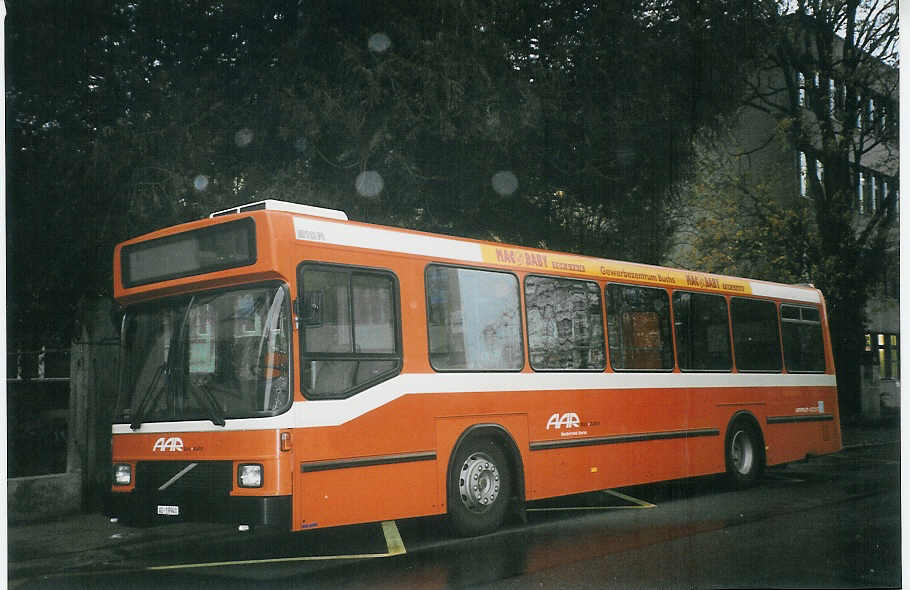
(824, 87)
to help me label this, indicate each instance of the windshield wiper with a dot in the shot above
(166, 368)
(209, 399)
(149, 397)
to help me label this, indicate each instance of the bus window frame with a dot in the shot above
(603, 323)
(780, 345)
(521, 318)
(819, 323)
(729, 332)
(328, 356)
(671, 334)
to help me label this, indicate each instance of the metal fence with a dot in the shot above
(38, 409)
(46, 364)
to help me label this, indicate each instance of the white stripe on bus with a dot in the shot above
(375, 238)
(310, 414)
(785, 292)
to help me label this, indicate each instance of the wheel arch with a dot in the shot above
(746, 416)
(503, 437)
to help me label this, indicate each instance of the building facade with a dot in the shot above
(819, 100)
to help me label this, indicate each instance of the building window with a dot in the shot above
(818, 173)
(870, 179)
(803, 176)
(890, 284)
(885, 349)
(883, 116)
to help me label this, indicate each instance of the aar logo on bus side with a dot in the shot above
(567, 420)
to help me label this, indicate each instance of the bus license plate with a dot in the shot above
(168, 510)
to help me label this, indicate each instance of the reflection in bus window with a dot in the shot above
(638, 325)
(565, 326)
(702, 332)
(756, 341)
(474, 320)
(802, 334)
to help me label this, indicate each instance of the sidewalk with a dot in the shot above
(858, 435)
(81, 541)
(84, 540)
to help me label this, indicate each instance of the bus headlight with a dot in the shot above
(249, 475)
(123, 474)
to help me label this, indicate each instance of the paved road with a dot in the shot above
(832, 522)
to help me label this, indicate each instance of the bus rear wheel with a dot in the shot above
(745, 456)
(480, 485)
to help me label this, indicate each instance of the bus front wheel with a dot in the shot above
(745, 455)
(480, 485)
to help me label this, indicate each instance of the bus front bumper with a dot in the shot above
(142, 509)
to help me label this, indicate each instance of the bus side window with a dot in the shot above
(638, 328)
(702, 332)
(756, 338)
(804, 350)
(473, 320)
(565, 325)
(350, 329)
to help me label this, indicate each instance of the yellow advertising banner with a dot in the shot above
(529, 260)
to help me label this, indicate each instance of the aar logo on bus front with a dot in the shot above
(173, 444)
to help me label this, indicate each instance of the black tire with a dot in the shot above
(480, 486)
(744, 454)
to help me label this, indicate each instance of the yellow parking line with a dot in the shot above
(641, 503)
(637, 505)
(389, 530)
(260, 561)
(393, 538)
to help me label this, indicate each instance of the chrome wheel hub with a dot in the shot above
(478, 482)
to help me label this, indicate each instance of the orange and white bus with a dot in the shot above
(285, 366)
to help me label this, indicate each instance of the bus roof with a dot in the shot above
(329, 227)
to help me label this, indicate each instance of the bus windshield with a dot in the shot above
(208, 356)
